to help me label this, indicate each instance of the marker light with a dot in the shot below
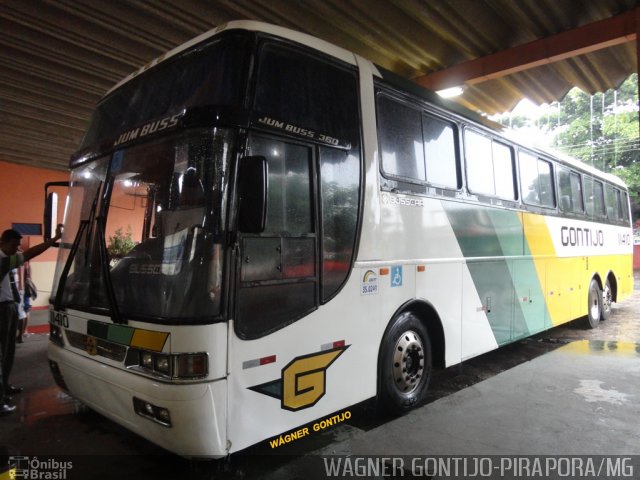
(192, 365)
(157, 414)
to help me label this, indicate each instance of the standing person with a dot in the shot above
(10, 259)
(27, 293)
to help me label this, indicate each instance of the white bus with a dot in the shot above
(263, 229)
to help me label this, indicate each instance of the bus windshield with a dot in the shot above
(148, 223)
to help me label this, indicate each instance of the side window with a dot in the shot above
(576, 193)
(547, 198)
(401, 140)
(598, 199)
(612, 202)
(625, 206)
(529, 178)
(489, 166)
(503, 171)
(570, 191)
(308, 92)
(588, 195)
(536, 179)
(440, 151)
(289, 201)
(479, 163)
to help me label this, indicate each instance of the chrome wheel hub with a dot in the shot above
(408, 362)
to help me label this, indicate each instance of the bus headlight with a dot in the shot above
(146, 360)
(188, 366)
(162, 364)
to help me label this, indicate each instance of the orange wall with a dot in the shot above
(22, 201)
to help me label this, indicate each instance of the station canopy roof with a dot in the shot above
(58, 57)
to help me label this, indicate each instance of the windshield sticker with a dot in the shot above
(272, 123)
(396, 276)
(369, 283)
(148, 128)
(116, 164)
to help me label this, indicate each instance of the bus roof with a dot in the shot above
(349, 57)
(565, 159)
(250, 25)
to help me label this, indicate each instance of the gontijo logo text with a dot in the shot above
(303, 381)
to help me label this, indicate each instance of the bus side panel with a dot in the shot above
(306, 371)
(568, 254)
(437, 234)
(507, 284)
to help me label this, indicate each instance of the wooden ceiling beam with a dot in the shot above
(578, 41)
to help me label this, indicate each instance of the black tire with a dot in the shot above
(594, 312)
(607, 300)
(405, 364)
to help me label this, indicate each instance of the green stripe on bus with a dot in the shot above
(509, 289)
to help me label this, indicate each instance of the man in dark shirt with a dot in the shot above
(11, 258)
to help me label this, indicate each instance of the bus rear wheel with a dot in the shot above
(607, 300)
(405, 364)
(594, 313)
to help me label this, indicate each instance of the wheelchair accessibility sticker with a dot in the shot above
(396, 276)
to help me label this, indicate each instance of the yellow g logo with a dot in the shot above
(303, 380)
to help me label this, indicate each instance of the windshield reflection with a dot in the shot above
(160, 226)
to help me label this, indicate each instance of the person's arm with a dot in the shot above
(40, 248)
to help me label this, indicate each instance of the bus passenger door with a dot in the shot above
(278, 277)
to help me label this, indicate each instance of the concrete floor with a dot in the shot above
(580, 398)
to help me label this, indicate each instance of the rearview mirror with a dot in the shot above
(50, 219)
(252, 194)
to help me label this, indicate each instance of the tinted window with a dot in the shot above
(289, 200)
(576, 193)
(570, 191)
(625, 206)
(308, 92)
(278, 275)
(339, 185)
(440, 151)
(546, 184)
(588, 195)
(212, 75)
(536, 179)
(401, 140)
(598, 198)
(612, 202)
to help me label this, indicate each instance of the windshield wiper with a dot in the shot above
(104, 261)
(88, 225)
(57, 304)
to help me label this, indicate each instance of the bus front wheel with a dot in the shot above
(594, 314)
(405, 364)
